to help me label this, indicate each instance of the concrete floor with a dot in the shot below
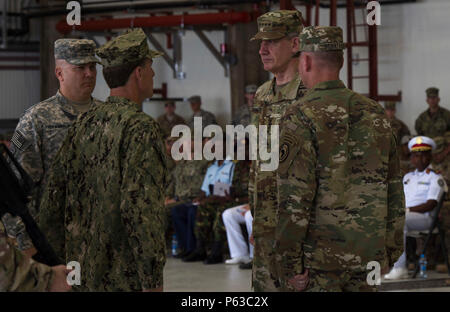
(181, 276)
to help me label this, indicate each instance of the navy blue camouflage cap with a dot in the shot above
(127, 48)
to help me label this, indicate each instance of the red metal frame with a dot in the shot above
(160, 21)
(162, 90)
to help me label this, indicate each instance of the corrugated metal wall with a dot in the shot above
(19, 88)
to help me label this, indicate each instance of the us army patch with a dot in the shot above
(284, 152)
(19, 140)
(441, 182)
(289, 139)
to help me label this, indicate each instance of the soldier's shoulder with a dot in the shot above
(40, 107)
(422, 115)
(446, 111)
(160, 118)
(264, 89)
(408, 176)
(208, 113)
(141, 123)
(179, 118)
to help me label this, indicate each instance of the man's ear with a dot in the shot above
(295, 43)
(58, 73)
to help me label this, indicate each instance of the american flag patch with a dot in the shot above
(18, 140)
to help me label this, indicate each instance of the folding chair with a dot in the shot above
(436, 228)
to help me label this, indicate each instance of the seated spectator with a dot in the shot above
(209, 225)
(168, 120)
(239, 251)
(187, 179)
(207, 117)
(423, 189)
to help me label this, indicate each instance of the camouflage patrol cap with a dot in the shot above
(278, 24)
(195, 99)
(389, 105)
(127, 48)
(321, 39)
(75, 51)
(432, 91)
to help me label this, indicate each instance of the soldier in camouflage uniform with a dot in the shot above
(20, 273)
(341, 194)
(185, 187)
(398, 126)
(42, 129)
(435, 121)
(104, 202)
(169, 120)
(207, 117)
(278, 32)
(242, 116)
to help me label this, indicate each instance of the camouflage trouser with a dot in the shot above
(337, 281)
(263, 274)
(208, 224)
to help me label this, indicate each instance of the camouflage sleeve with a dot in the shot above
(240, 180)
(251, 187)
(142, 204)
(26, 148)
(396, 207)
(297, 185)
(53, 202)
(254, 120)
(18, 273)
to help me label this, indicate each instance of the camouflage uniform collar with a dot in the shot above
(290, 89)
(438, 112)
(327, 85)
(65, 104)
(119, 100)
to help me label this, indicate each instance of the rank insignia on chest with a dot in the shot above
(423, 183)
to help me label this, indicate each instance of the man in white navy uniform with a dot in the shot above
(423, 189)
(232, 219)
